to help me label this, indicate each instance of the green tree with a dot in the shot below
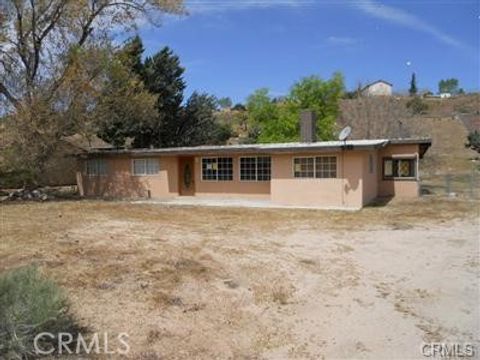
(163, 77)
(473, 141)
(39, 45)
(279, 121)
(261, 112)
(448, 86)
(124, 105)
(198, 125)
(225, 103)
(239, 107)
(131, 55)
(413, 86)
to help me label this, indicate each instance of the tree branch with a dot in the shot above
(9, 96)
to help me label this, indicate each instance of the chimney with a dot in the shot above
(308, 126)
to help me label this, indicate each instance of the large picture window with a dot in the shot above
(320, 167)
(255, 168)
(399, 168)
(96, 167)
(217, 169)
(146, 167)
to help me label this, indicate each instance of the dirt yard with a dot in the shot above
(204, 283)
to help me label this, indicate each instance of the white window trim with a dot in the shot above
(132, 167)
(96, 175)
(314, 177)
(215, 157)
(336, 167)
(414, 157)
(256, 168)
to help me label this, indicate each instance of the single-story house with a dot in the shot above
(377, 88)
(329, 174)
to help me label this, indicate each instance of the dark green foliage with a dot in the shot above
(417, 106)
(448, 86)
(413, 85)
(174, 123)
(162, 76)
(473, 141)
(131, 55)
(225, 103)
(31, 304)
(239, 107)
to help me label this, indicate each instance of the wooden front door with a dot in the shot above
(186, 173)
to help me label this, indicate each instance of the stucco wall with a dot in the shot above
(343, 191)
(119, 181)
(401, 188)
(378, 89)
(370, 177)
(233, 188)
(354, 186)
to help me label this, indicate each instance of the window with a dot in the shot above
(96, 167)
(399, 168)
(220, 169)
(321, 167)
(255, 168)
(326, 167)
(146, 167)
(304, 167)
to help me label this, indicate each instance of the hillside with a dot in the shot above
(446, 121)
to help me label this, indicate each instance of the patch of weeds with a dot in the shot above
(282, 294)
(162, 298)
(31, 304)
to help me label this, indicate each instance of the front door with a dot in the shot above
(186, 176)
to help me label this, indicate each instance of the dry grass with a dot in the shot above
(173, 274)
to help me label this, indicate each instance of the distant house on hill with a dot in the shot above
(378, 88)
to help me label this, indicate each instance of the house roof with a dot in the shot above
(86, 143)
(376, 82)
(293, 147)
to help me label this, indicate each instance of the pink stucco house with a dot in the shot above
(331, 174)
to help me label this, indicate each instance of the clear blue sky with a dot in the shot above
(230, 48)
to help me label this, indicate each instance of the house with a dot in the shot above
(378, 88)
(327, 174)
(60, 169)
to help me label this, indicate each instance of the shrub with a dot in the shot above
(473, 141)
(31, 304)
(417, 106)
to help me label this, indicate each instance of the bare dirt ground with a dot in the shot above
(204, 283)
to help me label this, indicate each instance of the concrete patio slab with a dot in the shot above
(230, 203)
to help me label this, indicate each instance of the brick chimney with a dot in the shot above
(308, 127)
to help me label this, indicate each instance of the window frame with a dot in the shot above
(256, 168)
(394, 159)
(97, 174)
(132, 171)
(216, 170)
(314, 157)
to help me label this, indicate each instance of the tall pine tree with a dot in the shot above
(163, 76)
(413, 85)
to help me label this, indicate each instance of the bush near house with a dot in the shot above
(473, 141)
(31, 304)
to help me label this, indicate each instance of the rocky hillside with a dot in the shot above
(446, 121)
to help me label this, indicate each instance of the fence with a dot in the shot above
(466, 185)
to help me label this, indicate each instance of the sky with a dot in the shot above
(231, 48)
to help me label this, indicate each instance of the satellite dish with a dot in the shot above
(345, 133)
